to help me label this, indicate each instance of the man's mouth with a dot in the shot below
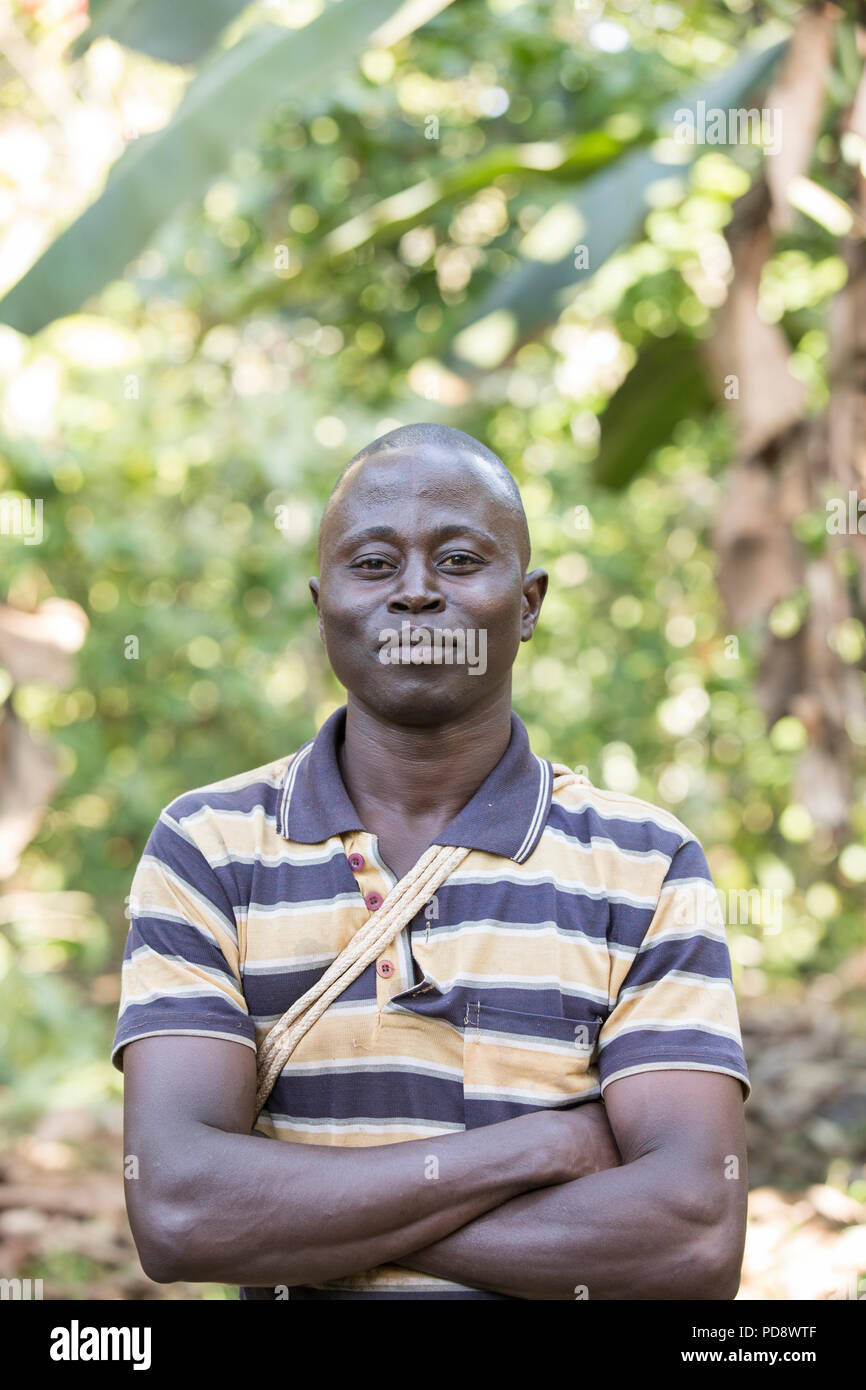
(419, 644)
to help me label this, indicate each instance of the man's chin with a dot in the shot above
(418, 698)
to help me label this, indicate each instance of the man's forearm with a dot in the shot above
(629, 1232)
(239, 1210)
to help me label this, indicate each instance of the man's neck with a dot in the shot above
(420, 773)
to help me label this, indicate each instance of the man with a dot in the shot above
(440, 1132)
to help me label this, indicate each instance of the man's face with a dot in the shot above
(424, 540)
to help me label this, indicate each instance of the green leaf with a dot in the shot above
(667, 384)
(175, 33)
(161, 172)
(385, 222)
(612, 205)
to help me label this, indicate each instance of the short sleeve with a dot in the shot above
(675, 1007)
(181, 968)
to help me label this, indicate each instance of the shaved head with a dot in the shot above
(421, 444)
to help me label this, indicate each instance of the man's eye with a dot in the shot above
(460, 559)
(371, 562)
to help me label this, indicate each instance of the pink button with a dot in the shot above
(356, 863)
(384, 968)
(373, 901)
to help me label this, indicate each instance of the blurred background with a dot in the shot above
(622, 244)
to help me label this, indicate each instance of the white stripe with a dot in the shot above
(350, 1065)
(350, 1007)
(668, 1025)
(224, 813)
(541, 1098)
(291, 775)
(180, 992)
(525, 1043)
(685, 977)
(669, 824)
(239, 781)
(182, 1033)
(576, 887)
(263, 911)
(144, 952)
(389, 877)
(278, 965)
(663, 937)
(403, 950)
(671, 1066)
(693, 880)
(363, 1126)
(179, 827)
(604, 842)
(488, 926)
(539, 809)
(512, 981)
(279, 860)
(168, 914)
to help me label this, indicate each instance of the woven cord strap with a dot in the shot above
(398, 908)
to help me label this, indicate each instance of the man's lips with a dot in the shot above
(409, 641)
(409, 637)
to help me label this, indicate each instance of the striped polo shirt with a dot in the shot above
(580, 940)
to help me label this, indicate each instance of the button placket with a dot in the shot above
(389, 971)
(372, 887)
(388, 975)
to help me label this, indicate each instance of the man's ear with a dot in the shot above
(315, 585)
(534, 588)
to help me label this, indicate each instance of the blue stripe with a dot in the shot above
(202, 1013)
(584, 822)
(669, 1044)
(378, 1094)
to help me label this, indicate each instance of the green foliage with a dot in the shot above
(160, 28)
(184, 442)
(612, 205)
(161, 172)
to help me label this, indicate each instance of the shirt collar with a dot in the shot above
(505, 816)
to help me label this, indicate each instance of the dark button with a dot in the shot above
(356, 863)
(384, 968)
(373, 901)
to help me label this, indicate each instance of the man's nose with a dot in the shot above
(417, 591)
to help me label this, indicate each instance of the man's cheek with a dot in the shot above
(342, 627)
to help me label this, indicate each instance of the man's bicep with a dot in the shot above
(174, 1080)
(177, 1090)
(657, 1109)
(694, 1120)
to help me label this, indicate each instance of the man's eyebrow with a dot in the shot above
(378, 532)
(382, 532)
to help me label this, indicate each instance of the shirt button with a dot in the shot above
(373, 901)
(384, 968)
(356, 863)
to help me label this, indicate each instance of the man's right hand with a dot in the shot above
(579, 1140)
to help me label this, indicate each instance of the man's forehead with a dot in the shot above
(421, 471)
(421, 479)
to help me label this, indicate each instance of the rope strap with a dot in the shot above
(400, 905)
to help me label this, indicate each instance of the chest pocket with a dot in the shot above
(515, 1062)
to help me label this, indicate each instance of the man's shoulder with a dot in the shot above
(630, 821)
(239, 787)
(252, 793)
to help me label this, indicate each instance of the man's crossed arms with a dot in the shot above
(642, 1196)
